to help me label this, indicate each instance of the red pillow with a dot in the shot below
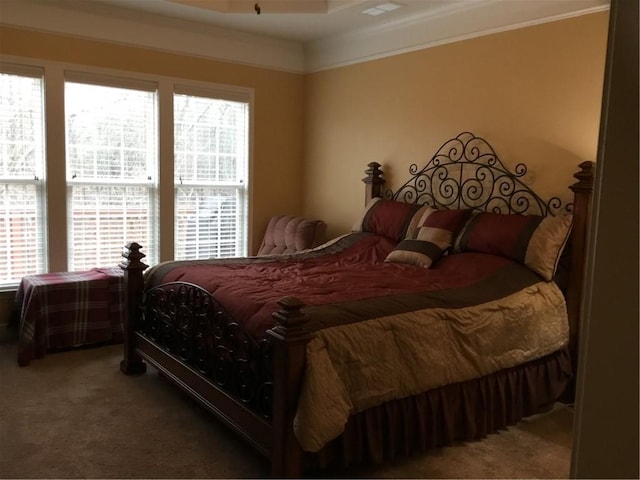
(498, 234)
(388, 218)
(449, 220)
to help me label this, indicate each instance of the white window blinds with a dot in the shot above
(112, 164)
(22, 201)
(210, 167)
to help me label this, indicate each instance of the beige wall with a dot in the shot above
(277, 114)
(533, 93)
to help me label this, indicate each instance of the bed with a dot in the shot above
(449, 312)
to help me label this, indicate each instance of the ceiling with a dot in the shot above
(312, 20)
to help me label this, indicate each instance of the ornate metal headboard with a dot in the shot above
(466, 173)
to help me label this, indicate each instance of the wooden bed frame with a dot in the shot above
(252, 386)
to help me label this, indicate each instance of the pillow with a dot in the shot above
(389, 218)
(432, 237)
(531, 240)
(441, 225)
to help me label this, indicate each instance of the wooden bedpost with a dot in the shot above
(289, 354)
(582, 191)
(373, 181)
(133, 286)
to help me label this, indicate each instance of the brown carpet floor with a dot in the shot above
(74, 415)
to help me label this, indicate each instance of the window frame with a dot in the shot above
(55, 73)
(152, 167)
(239, 187)
(38, 179)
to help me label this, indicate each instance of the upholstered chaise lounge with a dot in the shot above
(290, 234)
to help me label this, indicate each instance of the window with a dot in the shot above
(112, 164)
(125, 157)
(22, 212)
(210, 169)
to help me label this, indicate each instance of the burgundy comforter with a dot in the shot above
(340, 281)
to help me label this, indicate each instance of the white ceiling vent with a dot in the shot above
(382, 9)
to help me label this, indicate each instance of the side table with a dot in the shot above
(68, 309)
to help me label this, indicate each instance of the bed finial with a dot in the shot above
(290, 315)
(373, 181)
(585, 178)
(133, 257)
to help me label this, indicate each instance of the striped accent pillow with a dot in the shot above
(531, 240)
(432, 237)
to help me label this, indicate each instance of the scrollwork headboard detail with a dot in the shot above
(466, 173)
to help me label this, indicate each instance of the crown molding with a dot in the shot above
(95, 21)
(484, 17)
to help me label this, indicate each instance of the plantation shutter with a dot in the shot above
(22, 152)
(211, 137)
(112, 165)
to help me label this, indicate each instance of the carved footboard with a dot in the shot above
(251, 385)
(186, 321)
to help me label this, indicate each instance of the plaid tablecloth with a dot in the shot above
(68, 309)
